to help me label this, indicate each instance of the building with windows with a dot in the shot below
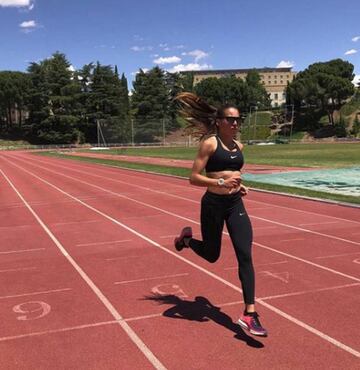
(274, 79)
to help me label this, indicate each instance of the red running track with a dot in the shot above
(91, 280)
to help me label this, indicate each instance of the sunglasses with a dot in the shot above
(231, 120)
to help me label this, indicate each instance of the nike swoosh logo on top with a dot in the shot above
(232, 157)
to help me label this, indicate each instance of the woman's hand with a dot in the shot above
(244, 190)
(232, 182)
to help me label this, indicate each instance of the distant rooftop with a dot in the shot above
(235, 71)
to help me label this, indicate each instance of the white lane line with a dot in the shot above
(150, 278)
(319, 223)
(23, 250)
(62, 330)
(308, 231)
(19, 269)
(309, 291)
(282, 276)
(311, 329)
(122, 258)
(174, 235)
(190, 200)
(258, 264)
(104, 243)
(291, 240)
(35, 293)
(302, 211)
(308, 262)
(338, 255)
(264, 227)
(161, 314)
(185, 187)
(94, 325)
(130, 332)
(73, 223)
(16, 226)
(209, 273)
(177, 216)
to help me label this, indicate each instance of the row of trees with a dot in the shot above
(62, 105)
(55, 104)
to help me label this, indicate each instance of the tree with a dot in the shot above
(149, 104)
(256, 92)
(174, 85)
(54, 110)
(325, 85)
(108, 103)
(14, 95)
(234, 91)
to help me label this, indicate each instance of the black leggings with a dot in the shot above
(215, 210)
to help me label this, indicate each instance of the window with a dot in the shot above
(276, 96)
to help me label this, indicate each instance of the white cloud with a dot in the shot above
(167, 60)
(351, 51)
(198, 54)
(141, 48)
(28, 24)
(285, 64)
(190, 67)
(356, 80)
(16, 3)
(356, 38)
(143, 69)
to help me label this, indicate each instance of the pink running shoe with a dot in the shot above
(252, 324)
(179, 242)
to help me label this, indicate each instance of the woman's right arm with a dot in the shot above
(206, 148)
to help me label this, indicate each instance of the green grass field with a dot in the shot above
(306, 155)
(298, 155)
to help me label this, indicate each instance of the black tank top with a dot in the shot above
(224, 160)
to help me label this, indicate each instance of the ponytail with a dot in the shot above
(199, 115)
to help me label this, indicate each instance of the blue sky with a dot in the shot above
(180, 34)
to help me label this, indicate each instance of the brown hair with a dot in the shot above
(199, 115)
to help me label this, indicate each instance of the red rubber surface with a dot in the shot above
(117, 227)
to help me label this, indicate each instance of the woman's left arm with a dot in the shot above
(244, 190)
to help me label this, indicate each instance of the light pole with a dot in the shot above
(255, 108)
(132, 132)
(292, 118)
(163, 130)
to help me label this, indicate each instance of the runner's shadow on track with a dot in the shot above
(202, 310)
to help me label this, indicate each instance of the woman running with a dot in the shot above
(220, 155)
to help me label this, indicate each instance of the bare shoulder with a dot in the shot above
(241, 146)
(208, 144)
